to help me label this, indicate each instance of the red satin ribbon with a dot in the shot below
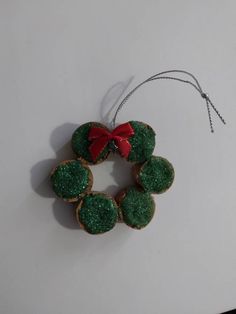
(101, 137)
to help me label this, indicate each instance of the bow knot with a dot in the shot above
(101, 137)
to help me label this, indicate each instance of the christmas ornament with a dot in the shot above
(92, 142)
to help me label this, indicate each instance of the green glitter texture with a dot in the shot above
(137, 208)
(98, 213)
(142, 143)
(156, 175)
(70, 179)
(80, 142)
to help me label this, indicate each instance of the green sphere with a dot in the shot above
(97, 213)
(136, 206)
(142, 142)
(80, 143)
(156, 175)
(71, 179)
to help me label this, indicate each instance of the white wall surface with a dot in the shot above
(58, 59)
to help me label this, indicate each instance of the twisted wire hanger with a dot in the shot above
(163, 76)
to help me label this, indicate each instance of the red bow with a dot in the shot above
(101, 137)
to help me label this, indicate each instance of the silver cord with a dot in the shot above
(162, 76)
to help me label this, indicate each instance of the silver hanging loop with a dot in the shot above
(162, 76)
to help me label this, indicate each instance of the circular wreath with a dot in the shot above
(97, 212)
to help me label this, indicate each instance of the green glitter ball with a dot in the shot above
(80, 143)
(71, 179)
(142, 142)
(137, 207)
(97, 213)
(156, 175)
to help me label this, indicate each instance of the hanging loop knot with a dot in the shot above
(205, 95)
(101, 138)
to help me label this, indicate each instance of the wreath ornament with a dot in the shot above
(92, 142)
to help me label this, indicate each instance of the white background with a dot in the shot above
(58, 60)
